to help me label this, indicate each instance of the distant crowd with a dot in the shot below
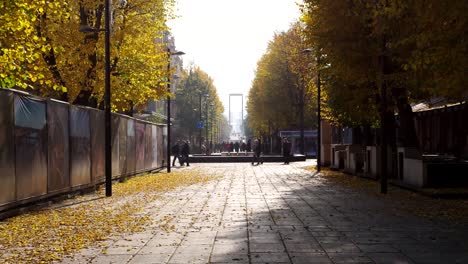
(181, 150)
(236, 146)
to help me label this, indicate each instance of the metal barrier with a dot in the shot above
(49, 147)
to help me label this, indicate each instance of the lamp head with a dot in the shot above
(177, 53)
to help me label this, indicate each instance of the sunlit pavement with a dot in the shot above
(276, 213)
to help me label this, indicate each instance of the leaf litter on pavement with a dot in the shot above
(53, 233)
(399, 199)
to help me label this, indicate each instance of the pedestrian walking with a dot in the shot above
(243, 147)
(236, 146)
(185, 151)
(175, 150)
(248, 148)
(286, 150)
(203, 148)
(257, 149)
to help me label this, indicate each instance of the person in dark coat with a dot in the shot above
(185, 151)
(236, 147)
(248, 148)
(175, 150)
(286, 150)
(257, 149)
(231, 147)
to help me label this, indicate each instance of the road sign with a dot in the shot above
(200, 124)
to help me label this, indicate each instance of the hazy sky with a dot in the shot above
(226, 38)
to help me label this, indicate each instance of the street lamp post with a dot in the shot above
(319, 117)
(382, 86)
(206, 127)
(200, 108)
(107, 103)
(107, 95)
(212, 127)
(319, 165)
(170, 54)
(301, 113)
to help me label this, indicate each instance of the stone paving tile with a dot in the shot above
(229, 258)
(332, 239)
(267, 247)
(340, 247)
(157, 249)
(319, 234)
(390, 258)
(270, 258)
(264, 237)
(138, 239)
(381, 248)
(114, 259)
(438, 257)
(278, 214)
(165, 240)
(128, 242)
(309, 247)
(125, 250)
(339, 258)
(189, 258)
(198, 241)
(150, 259)
(234, 248)
(310, 258)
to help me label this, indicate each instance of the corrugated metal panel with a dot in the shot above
(7, 148)
(30, 146)
(80, 146)
(59, 151)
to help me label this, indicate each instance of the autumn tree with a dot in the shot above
(43, 50)
(22, 48)
(282, 89)
(413, 49)
(342, 64)
(196, 85)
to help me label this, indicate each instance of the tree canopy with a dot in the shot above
(283, 84)
(42, 49)
(416, 48)
(194, 85)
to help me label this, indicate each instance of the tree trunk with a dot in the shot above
(51, 60)
(85, 95)
(407, 130)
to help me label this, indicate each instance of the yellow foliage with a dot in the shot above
(419, 43)
(194, 83)
(53, 233)
(41, 48)
(283, 84)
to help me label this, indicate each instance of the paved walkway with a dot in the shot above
(276, 213)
